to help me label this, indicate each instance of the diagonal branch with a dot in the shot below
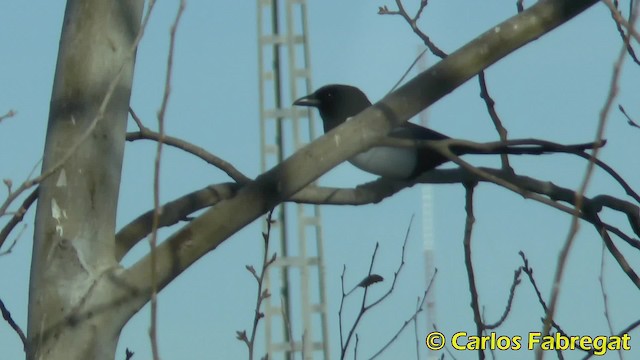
(147, 134)
(209, 230)
(18, 216)
(172, 213)
(371, 193)
(580, 194)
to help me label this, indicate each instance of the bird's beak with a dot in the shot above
(309, 100)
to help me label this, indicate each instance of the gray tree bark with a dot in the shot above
(75, 218)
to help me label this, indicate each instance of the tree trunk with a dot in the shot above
(73, 245)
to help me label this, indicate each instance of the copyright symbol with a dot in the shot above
(435, 340)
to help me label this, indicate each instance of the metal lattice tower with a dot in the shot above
(296, 311)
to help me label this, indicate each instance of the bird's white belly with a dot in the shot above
(391, 162)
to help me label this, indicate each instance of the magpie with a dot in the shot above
(337, 103)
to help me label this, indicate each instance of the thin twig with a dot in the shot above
(355, 348)
(515, 146)
(529, 271)
(6, 315)
(128, 354)
(412, 21)
(262, 293)
(620, 23)
(156, 185)
(605, 300)
(495, 118)
(406, 73)
(507, 309)
(9, 114)
(446, 348)
(18, 216)
(363, 307)
(345, 345)
(14, 242)
(342, 298)
(629, 119)
(624, 264)
(520, 146)
(419, 307)
(623, 332)
(574, 228)
(468, 229)
(396, 274)
(145, 133)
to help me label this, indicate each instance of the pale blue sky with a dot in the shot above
(552, 89)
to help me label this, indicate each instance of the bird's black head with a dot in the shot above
(335, 103)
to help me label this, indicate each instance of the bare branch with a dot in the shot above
(605, 297)
(580, 194)
(172, 213)
(128, 354)
(344, 346)
(364, 307)
(516, 146)
(507, 309)
(376, 191)
(342, 298)
(413, 22)
(147, 134)
(484, 92)
(529, 271)
(629, 119)
(14, 242)
(406, 73)
(495, 118)
(413, 317)
(18, 216)
(157, 209)
(9, 114)
(624, 331)
(624, 264)
(262, 293)
(620, 23)
(6, 315)
(473, 291)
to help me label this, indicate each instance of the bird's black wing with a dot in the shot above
(427, 159)
(412, 131)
